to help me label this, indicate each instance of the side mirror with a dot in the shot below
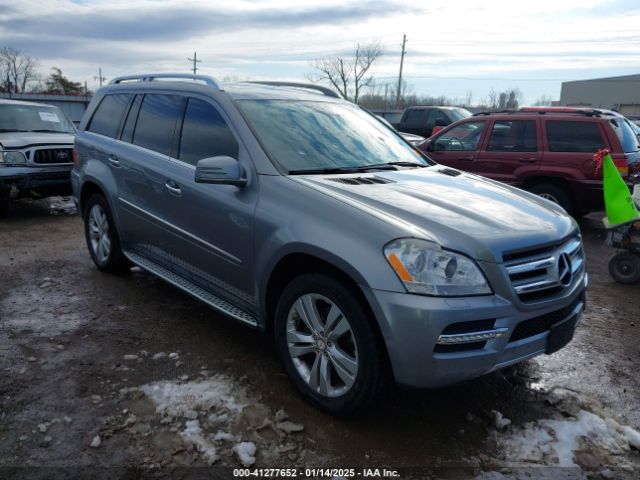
(220, 170)
(428, 145)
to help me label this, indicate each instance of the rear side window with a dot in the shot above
(438, 115)
(513, 136)
(157, 122)
(566, 136)
(107, 117)
(205, 133)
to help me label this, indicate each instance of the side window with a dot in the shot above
(513, 136)
(130, 122)
(157, 122)
(464, 137)
(205, 133)
(438, 118)
(566, 136)
(417, 116)
(106, 119)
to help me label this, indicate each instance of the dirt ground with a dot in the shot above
(103, 372)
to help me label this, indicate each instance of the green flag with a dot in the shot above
(618, 203)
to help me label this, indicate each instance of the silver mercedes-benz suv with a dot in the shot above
(298, 213)
(36, 142)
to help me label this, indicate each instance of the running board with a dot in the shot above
(192, 289)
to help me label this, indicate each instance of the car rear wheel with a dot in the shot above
(554, 194)
(625, 267)
(102, 236)
(327, 345)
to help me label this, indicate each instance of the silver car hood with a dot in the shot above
(466, 213)
(26, 139)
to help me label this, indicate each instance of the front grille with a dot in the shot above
(543, 323)
(53, 155)
(543, 272)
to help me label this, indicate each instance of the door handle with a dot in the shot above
(527, 160)
(466, 159)
(173, 188)
(113, 160)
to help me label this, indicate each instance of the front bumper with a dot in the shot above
(34, 182)
(412, 325)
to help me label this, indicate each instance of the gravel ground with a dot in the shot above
(100, 371)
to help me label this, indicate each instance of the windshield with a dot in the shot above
(626, 134)
(33, 118)
(459, 113)
(305, 135)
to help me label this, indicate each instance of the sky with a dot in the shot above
(453, 46)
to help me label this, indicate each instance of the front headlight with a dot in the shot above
(10, 157)
(426, 268)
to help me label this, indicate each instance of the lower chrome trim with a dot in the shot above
(473, 336)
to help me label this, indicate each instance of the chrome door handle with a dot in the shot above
(528, 160)
(173, 188)
(113, 160)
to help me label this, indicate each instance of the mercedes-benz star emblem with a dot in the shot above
(564, 270)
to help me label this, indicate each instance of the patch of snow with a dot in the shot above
(245, 451)
(554, 442)
(500, 421)
(193, 434)
(173, 355)
(130, 357)
(159, 355)
(632, 436)
(95, 442)
(176, 399)
(227, 437)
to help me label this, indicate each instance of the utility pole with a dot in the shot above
(404, 42)
(100, 78)
(195, 61)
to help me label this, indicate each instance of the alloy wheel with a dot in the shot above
(99, 233)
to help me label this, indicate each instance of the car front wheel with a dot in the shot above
(328, 345)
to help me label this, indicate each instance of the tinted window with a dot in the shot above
(464, 137)
(156, 122)
(417, 116)
(440, 117)
(130, 122)
(515, 136)
(626, 134)
(205, 133)
(573, 136)
(107, 117)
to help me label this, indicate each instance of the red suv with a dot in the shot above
(548, 151)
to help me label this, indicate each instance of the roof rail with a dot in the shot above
(310, 86)
(532, 111)
(149, 77)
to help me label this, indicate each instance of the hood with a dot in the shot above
(462, 212)
(27, 139)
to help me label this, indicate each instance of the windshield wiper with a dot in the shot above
(47, 130)
(355, 169)
(359, 168)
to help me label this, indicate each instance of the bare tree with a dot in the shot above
(348, 75)
(544, 101)
(16, 69)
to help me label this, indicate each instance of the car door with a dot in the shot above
(415, 121)
(143, 155)
(212, 225)
(457, 146)
(511, 152)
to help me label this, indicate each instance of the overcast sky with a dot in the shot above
(454, 46)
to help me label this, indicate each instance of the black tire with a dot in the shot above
(555, 194)
(115, 261)
(624, 267)
(372, 377)
(5, 205)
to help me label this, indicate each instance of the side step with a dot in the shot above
(192, 289)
